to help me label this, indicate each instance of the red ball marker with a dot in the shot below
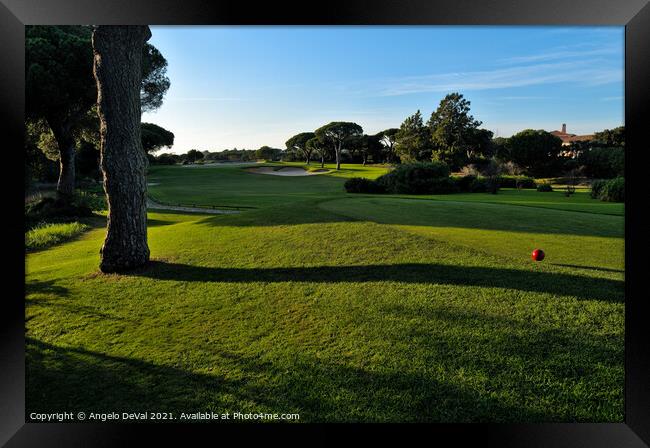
(538, 255)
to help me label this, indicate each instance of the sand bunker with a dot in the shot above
(284, 171)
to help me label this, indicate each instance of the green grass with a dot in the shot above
(225, 185)
(339, 307)
(234, 186)
(46, 235)
(580, 201)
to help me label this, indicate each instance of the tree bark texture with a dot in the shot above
(117, 68)
(65, 142)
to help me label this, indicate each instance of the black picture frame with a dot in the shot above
(633, 14)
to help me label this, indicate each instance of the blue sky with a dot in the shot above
(244, 86)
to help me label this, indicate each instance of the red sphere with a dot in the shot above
(538, 255)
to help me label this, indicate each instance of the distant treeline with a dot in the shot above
(227, 155)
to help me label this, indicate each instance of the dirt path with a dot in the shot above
(156, 206)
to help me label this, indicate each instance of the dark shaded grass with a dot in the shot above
(317, 390)
(474, 215)
(589, 288)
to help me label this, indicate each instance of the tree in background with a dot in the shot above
(375, 148)
(537, 152)
(454, 132)
(602, 163)
(388, 139)
(168, 159)
(155, 82)
(298, 143)
(118, 54)
(500, 149)
(614, 138)
(155, 137)
(604, 156)
(412, 142)
(481, 146)
(37, 164)
(268, 153)
(193, 155)
(367, 146)
(338, 133)
(87, 160)
(319, 147)
(60, 88)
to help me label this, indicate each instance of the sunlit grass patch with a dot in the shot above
(46, 235)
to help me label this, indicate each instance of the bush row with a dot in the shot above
(433, 178)
(507, 181)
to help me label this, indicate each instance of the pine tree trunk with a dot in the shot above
(117, 68)
(65, 141)
(322, 161)
(338, 157)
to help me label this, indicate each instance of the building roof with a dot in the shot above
(568, 138)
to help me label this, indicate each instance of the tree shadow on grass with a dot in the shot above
(533, 342)
(521, 355)
(159, 222)
(428, 213)
(591, 268)
(282, 215)
(75, 379)
(74, 309)
(482, 216)
(60, 301)
(587, 288)
(46, 287)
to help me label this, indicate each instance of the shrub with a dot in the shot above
(363, 185)
(596, 187)
(544, 187)
(56, 210)
(167, 159)
(95, 201)
(613, 190)
(471, 184)
(464, 183)
(480, 185)
(418, 178)
(492, 184)
(46, 235)
(443, 185)
(508, 181)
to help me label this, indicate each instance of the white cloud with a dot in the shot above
(564, 53)
(582, 72)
